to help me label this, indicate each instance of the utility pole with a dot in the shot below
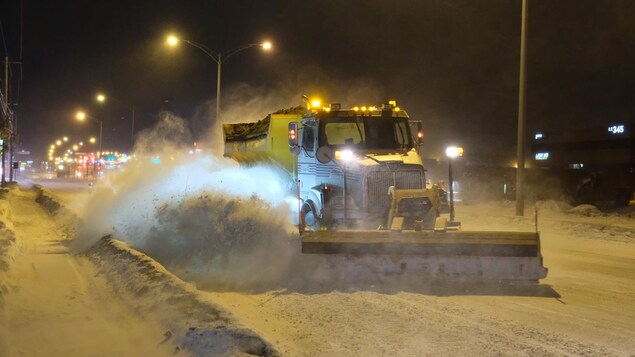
(520, 153)
(7, 124)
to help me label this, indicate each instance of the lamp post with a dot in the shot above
(452, 152)
(102, 98)
(217, 57)
(522, 90)
(81, 116)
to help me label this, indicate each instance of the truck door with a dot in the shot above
(306, 158)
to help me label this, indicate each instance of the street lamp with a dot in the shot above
(218, 57)
(452, 152)
(101, 98)
(81, 116)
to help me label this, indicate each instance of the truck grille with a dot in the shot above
(377, 183)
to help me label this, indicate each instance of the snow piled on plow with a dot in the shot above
(229, 241)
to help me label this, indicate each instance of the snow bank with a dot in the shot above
(198, 326)
(586, 210)
(7, 238)
(195, 324)
(7, 242)
(52, 204)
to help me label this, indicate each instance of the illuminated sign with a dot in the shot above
(617, 129)
(542, 155)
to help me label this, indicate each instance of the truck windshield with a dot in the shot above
(367, 133)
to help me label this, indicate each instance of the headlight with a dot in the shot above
(345, 155)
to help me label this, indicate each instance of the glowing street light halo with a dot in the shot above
(453, 151)
(172, 40)
(267, 46)
(81, 116)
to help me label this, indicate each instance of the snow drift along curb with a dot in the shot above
(197, 326)
(7, 237)
(46, 199)
(7, 249)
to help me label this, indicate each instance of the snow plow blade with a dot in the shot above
(460, 254)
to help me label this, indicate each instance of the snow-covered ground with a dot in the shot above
(585, 306)
(56, 304)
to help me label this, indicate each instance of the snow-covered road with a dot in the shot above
(586, 305)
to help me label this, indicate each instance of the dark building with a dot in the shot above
(604, 157)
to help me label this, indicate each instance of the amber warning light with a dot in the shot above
(293, 134)
(419, 137)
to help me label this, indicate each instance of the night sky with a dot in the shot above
(452, 63)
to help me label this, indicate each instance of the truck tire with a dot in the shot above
(310, 218)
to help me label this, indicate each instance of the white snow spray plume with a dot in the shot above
(192, 211)
(204, 217)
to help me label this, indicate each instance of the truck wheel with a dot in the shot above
(310, 217)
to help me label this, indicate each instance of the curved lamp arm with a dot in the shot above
(208, 51)
(240, 48)
(219, 57)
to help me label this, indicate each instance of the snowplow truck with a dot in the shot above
(362, 192)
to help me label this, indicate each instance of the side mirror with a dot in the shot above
(293, 134)
(324, 154)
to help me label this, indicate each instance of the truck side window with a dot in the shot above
(400, 134)
(308, 138)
